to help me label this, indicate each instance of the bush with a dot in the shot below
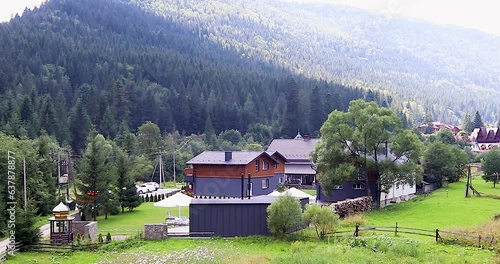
(353, 220)
(99, 238)
(108, 237)
(283, 215)
(322, 218)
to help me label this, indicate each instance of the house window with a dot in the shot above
(265, 184)
(256, 165)
(265, 165)
(338, 187)
(358, 186)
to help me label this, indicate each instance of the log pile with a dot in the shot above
(352, 206)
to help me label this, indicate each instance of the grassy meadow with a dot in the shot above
(134, 220)
(446, 209)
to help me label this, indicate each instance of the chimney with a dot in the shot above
(228, 155)
(307, 137)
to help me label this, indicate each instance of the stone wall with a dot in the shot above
(85, 228)
(155, 231)
(352, 206)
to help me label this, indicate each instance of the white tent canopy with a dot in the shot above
(177, 200)
(292, 192)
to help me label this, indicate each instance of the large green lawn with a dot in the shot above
(146, 213)
(267, 250)
(443, 209)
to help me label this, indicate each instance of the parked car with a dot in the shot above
(143, 189)
(152, 185)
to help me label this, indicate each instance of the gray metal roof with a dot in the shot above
(300, 169)
(218, 157)
(261, 199)
(294, 149)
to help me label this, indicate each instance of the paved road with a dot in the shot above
(44, 230)
(161, 191)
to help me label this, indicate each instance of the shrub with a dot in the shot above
(353, 220)
(322, 218)
(99, 238)
(108, 237)
(283, 215)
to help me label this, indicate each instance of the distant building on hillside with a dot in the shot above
(484, 139)
(435, 127)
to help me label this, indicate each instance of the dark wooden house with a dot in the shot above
(234, 173)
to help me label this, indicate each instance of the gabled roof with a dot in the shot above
(294, 149)
(271, 153)
(219, 157)
(486, 135)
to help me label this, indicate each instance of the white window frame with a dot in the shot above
(265, 165)
(338, 187)
(358, 186)
(265, 183)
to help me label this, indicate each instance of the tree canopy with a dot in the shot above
(366, 138)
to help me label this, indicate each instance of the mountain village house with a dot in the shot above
(298, 167)
(253, 173)
(484, 139)
(234, 173)
(435, 127)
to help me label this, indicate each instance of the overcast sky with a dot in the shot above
(479, 14)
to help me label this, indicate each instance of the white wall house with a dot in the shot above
(397, 193)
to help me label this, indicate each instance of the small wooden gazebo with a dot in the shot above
(60, 225)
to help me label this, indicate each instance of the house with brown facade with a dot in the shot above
(234, 173)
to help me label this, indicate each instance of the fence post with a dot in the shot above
(437, 235)
(356, 231)
(396, 230)
(479, 241)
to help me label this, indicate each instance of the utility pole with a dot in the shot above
(160, 159)
(173, 159)
(69, 173)
(59, 171)
(468, 183)
(25, 186)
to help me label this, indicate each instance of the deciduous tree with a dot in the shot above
(283, 215)
(360, 137)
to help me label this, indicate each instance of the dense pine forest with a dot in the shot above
(72, 66)
(116, 82)
(443, 71)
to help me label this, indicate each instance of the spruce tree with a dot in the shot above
(79, 127)
(478, 121)
(291, 122)
(128, 192)
(467, 124)
(317, 113)
(27, 233)
(96, 177)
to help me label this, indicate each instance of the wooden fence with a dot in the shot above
(10, 250)
(438, 235)
(48, 247)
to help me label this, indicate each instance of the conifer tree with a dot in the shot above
(478, 121)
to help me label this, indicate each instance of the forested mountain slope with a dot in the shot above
(70, 64)
(446, 70)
